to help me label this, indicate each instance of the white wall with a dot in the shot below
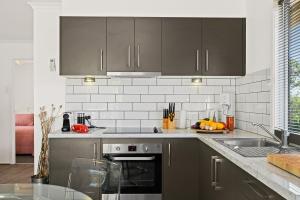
(23, 87)
(170, 8)
(8, 52)
(49, 87)
(259, 35)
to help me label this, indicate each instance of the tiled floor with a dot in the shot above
(19, 173)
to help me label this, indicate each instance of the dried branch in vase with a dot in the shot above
(47, 121)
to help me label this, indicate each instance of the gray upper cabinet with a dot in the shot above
(223, 47)
(148, 44)
(181, 46)
(181, 169)
(134, 44)
(82, 46)
(120, 44)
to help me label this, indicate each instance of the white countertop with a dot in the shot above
(284, 183)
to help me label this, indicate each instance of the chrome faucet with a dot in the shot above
(284, 137)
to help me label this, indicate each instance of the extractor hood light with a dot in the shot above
(89, 80)
(196, 80)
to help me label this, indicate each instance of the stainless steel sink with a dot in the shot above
(250, 147)
(247, 142)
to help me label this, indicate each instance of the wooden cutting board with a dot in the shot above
(287, 162)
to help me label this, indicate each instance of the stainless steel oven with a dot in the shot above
(141, 169)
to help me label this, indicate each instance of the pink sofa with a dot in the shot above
(24, 133)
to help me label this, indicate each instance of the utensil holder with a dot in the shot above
(171, 124)
(165, 123)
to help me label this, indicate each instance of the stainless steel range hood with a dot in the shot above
(134, 74)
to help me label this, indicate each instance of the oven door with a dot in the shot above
(141, 173)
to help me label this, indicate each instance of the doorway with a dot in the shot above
(23, 114)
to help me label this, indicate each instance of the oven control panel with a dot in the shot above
(132, 148)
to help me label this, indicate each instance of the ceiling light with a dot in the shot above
(196, 80)
(89, 79)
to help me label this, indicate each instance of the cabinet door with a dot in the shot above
(63, 151)
(181, 46)
(120, 44)
(82, 45)
(181, 169)
(148, 44)
(223, 48)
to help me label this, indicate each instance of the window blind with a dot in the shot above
(287, 66)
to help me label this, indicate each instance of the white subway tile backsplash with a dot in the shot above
(177, 98)
(210, 89)
(69, 89)
(120, 106)
(128, 123)
(136, 115)
(161, 106)
(253, 100)
(104, 123)
(151, 123)
(144, 81)
(100, 81)
(103, 98)
(144, 106)
(186, 90)
(202, 98)
(215, 81)
(94, 106)
(111, 115)
(156, 115)
(77, 98)
(194, 106)
(152, 98)
(161, 90)
(70, 107)
(135, 89)
(85, 89)
(168, 81)
(119, 81)
(73, 81)
(110, 89)
(128, 98)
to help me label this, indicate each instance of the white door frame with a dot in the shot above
(12, 100)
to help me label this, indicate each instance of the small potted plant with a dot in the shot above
(47, 121)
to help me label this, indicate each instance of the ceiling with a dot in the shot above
(15, 20)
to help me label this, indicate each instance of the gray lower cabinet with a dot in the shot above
(222, 179)
(82, 46)
(181, 46)
(120, 44)
(223, 47)
(63, 151)
(181, 169)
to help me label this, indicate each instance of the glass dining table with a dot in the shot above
(39, 192)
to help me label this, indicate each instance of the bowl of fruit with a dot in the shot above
(207, 126)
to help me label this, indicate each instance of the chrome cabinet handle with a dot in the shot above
(252, 185)
(95, 150)
(138, 56)
(101, 59)
(207, 60)
(169, 151)
(129, 56)
(217, 187)
(212, 170)
(197, 59)
(133, 158)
